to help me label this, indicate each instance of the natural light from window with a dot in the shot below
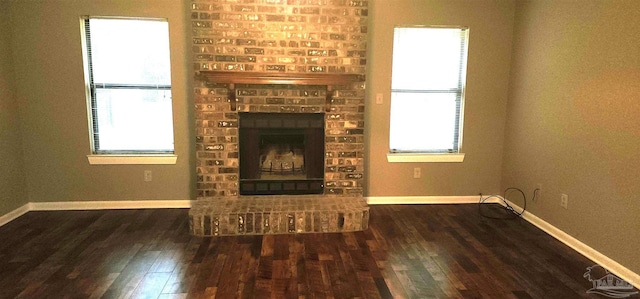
(131, 90)
(427, 85)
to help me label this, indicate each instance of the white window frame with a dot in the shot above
(451, 155)
(116, 156)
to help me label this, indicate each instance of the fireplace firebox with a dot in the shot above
(281, 153)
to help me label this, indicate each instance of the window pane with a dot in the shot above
(422, 122)
(130, 51)
(427, 58)
(134, 120)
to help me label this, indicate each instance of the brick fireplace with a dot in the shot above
(278, 70)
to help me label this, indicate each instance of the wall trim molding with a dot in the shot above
(110, 205)
(575, 244)
(582, 248)
(12, 215)
(414, 200)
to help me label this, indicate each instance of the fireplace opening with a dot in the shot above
(281, 153)
(282, 156)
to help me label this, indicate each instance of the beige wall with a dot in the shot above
(13, 193)
(51, 94)
(574, 119)
(490, 36)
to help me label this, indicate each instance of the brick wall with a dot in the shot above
(282, 36)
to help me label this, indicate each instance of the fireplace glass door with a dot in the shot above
(281, 153)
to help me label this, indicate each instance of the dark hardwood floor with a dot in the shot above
(409, 251)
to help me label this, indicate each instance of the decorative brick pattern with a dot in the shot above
(327, 36)
(250, 215)
(283, 36)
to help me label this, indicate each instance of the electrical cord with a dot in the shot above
(514, 214)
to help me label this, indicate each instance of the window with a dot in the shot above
(427, 89)
(129, 83)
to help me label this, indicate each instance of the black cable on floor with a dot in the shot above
(513, 213)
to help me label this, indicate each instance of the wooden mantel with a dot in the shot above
(232, 78)
(224, 77)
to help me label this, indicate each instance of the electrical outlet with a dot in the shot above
(538, 194)
(417, 173)
(564, 200)
(147, 176)
(379, 99)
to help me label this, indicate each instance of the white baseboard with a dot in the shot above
(413, 200)
(8, 217)
(110, 205)
(584, 249)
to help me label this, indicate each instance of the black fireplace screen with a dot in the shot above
(281, 153)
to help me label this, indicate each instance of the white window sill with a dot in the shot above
(415, 157)
(132, 159)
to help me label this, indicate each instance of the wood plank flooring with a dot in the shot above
(409, 251)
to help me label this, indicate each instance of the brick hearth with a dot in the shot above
(260, 215)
